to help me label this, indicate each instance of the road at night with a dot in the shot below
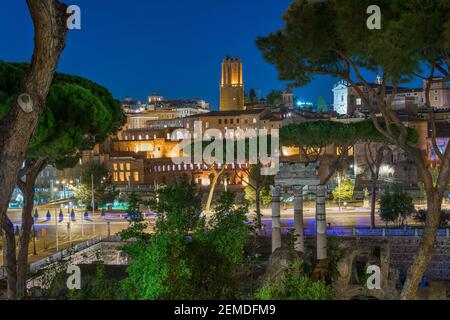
(82, 230)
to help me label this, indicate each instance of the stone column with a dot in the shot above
(299, 244)
(276, 217)
(321, 223)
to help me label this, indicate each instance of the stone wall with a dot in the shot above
(402, 250)
(107, 252)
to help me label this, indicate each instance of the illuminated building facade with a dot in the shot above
(232, 85)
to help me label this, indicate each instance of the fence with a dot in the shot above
(364, 232)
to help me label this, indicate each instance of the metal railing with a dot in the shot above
(365, 232)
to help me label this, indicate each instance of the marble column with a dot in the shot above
(299, 244)
(321, 223)
(276, 218)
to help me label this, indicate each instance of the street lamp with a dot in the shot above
(64, 183)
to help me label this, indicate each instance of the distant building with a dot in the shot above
(347, 100)
(232, 85)
(154, 98)
(340, 92)
(288, 98)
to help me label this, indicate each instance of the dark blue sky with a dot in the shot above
(173, 47)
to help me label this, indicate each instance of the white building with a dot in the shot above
(341, 95)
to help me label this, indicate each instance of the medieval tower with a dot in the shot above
(232, 85)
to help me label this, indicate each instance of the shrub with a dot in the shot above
(187, 257)
(396, 205)
(421, 216)
(293, 285)
(344, 191)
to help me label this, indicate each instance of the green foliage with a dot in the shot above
(252, 95)
(275, 98)
(295, 286)
(227, 229)
(250, 195)
(179, 203)
(319, 134)
(396, 205)
(187, 257)
(137, 227)
(217, 252)
(78, 114)
(317, 33)
(421, 216)
(322, 105)
(98, 289)
(344, 191)
(334, 255)
(103, 189)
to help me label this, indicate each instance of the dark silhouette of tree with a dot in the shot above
(78, 114)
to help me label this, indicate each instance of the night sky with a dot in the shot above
(173, 47)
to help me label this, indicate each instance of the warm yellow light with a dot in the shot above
(290, 151)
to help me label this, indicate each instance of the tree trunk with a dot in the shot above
(24, 241)
(18, 126)
(211, 192)
(258, 207)
(11, 263)
(19, 265)
(216, 176)
(423, 255)
(373, 202)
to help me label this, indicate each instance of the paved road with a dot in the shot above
(359, 217)
(82, 230)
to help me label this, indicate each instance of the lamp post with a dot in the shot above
(64, 183)
(34, 240)
(57, 235)
(52, 195)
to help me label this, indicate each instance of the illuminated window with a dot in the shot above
(121, 167)
(122, 177)
(136, 176)
(128, 167)
(128, 176)
(116, 177)
(115, 166)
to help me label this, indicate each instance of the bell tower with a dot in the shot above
(232, 85)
